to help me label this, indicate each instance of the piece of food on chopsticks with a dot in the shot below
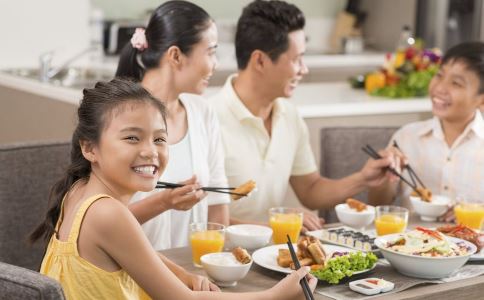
(355, 204)
(463, 232)
(243, 190)
(241, 255)
(423, 194)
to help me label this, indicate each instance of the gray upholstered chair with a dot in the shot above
(18, 283)
(341, 153)
(27, 172)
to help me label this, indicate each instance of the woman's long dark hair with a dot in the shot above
(93, 114)
(174, 23)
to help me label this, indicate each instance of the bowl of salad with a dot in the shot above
(425, 253)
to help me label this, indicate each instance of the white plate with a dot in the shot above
(478, 256)
(267, 257)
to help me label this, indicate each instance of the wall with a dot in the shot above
(384, 21)
(218, 9)
(29, 28)
(320, 17)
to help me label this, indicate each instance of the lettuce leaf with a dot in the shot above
(344, 266)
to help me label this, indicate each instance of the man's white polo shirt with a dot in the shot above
(250, 153)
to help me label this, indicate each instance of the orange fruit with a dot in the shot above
(374, 81)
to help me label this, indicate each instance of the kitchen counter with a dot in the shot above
(314, 100)
(335, 99)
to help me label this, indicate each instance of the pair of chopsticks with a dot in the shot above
(304, 282)
(411, 172)
(222, 190)
(373, 154)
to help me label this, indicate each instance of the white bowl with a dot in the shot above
(423, 267)
(224, 268)
(430, 211)
(248, 236)
(353, 218)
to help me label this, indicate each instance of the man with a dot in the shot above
(264, 137)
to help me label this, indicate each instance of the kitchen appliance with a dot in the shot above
(118, 33)
(446, 23)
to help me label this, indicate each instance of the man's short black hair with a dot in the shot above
(265, 25)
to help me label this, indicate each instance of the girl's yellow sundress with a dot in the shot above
(79, 278)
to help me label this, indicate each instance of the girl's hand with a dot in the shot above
(198, 283)
(289, 287)
(183, 198)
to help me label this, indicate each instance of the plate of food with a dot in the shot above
(466, 233)
(329, 263)
(348, 237)
(425, 253)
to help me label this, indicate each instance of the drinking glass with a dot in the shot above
(390, 219)
(285, 221)
(206, 238)
(469, 212)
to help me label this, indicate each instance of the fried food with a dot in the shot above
(425, 194)
(302, 246)
(463, 232)
(309, 252)
(284, 258)
(355, 204)
(243, 189)
(241, 255)
(306, 261)
(317, 252)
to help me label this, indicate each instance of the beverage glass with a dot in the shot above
(469, 213)
(206, 238)
(285, 221)
(390, 219)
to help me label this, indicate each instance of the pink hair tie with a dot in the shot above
(138, 40)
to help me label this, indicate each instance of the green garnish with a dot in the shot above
(344, 266)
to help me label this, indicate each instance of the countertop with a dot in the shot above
(314, 100)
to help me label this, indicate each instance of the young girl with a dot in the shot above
(175, 55)
(447, 151)
(97, 249)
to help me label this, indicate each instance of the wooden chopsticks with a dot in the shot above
(304, 282)
(222, 190)
(372, 153)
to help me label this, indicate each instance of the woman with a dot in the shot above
(175, 54)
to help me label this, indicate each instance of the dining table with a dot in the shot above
(260, 278)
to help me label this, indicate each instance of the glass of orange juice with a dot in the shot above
(206, 238)
(390, 219)
(469, 213)
(285, 221)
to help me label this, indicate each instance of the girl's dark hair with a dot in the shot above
(174, 23)
(94, 114)
(470, 53)
(265, 25)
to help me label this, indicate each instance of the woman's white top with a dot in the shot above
(199, 152)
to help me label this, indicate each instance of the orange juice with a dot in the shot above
(283, 224)
(204, 242)
(386, 224)
(470, 214)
